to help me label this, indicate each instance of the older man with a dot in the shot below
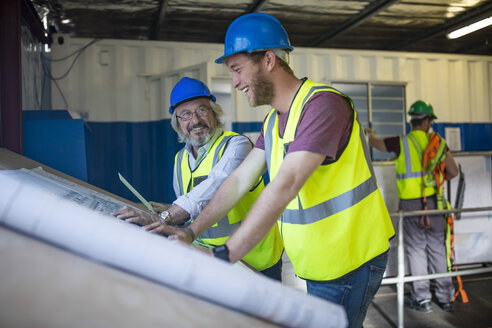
(209, 156)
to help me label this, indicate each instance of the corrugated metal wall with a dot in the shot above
(32, 82)
(110, 79)
(122, 88)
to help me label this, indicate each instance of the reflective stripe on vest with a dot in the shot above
(409, 174)
(408, 166)
(222, 229)
(179, 174)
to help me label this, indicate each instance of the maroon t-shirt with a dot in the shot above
(393, 145)
(324, 126)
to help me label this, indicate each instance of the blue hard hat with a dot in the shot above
(188, 89)
(256, 31)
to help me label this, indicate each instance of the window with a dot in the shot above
(380, 105)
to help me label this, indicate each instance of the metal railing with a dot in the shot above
(400, 279)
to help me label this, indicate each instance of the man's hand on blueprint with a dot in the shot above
(167, 230)
(132, 215)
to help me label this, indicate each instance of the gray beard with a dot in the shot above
(202, 141)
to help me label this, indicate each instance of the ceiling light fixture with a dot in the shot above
(470, 28)
(66, 21)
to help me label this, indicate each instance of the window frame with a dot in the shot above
(369, 100)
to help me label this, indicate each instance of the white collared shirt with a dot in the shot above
(194, 201)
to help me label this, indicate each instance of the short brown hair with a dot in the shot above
(255, 57)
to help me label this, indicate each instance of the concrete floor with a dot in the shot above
(383, 312)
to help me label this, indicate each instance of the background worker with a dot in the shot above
(424, 241)
(331, 214)
(209, 156)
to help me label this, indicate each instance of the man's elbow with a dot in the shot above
(451, 172)
(377, 143)
(451, 175)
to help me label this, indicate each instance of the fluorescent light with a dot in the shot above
(470, 28)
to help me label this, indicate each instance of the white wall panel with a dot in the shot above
(367, 67)
(322, 63)
(110, 79)
(411, 73)
(457, 81)
(489, 86)
(478, 88)
(302, 63)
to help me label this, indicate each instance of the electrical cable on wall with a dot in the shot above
(77, 52)
(47, 72)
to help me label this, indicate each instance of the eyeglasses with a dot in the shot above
(188, 115)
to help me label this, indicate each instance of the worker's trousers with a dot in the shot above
(275, 271)
(355, 290)
(426, 251)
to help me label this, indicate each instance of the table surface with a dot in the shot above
(45, 286)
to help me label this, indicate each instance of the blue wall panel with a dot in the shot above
(143, 152)
(55, 139)
(474, 136)
(46, 115)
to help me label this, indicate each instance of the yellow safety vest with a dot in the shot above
(409, 166)
(269, 250)
(338, 221)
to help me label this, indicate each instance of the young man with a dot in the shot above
(331, 214)
(424, 236)
(209, 156)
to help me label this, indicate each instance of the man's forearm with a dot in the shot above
(178, 214)
(237, 184)
(293, 174)
(376, 142)
(226, 197)
(451, 167)
(259, 221)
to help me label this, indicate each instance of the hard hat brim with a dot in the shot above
(423, 115)
(173, 107)
(221, 59)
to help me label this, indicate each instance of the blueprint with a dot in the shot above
(69, 190)
(77, 220)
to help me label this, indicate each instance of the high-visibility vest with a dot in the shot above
(269, 250)
(338, 221)
(409, 167)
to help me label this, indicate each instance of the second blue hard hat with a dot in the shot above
(254, 32)
(188, 89)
